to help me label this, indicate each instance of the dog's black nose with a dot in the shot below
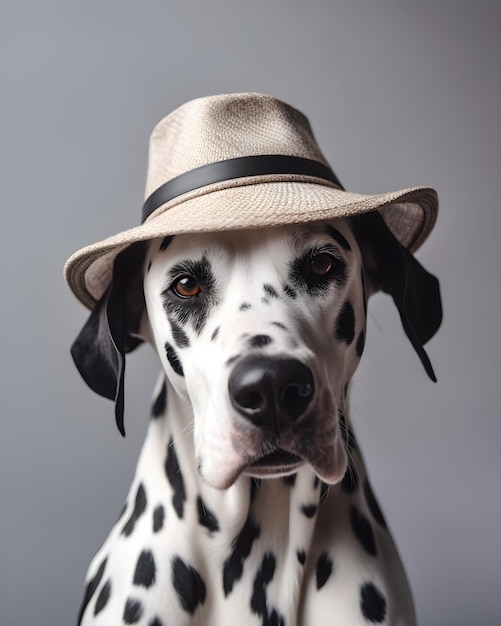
(271, 393)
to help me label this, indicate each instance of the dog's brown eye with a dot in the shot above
(187, 287)
(321, 264)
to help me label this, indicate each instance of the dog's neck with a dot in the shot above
(293, 501)
(269, 544)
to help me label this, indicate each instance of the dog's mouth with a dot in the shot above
(279, 462)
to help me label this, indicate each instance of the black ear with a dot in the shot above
(100, 348)
(393, 269)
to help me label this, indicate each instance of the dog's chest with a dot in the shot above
(284, 551)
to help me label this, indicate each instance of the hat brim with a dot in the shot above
(410, 214)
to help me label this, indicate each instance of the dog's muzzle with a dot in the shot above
(272, 393)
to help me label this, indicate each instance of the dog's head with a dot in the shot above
(261, 330)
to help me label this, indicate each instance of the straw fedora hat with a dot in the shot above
(241, 161)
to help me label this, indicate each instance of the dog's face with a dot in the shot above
(261, 330)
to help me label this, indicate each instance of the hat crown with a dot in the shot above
(217, 128)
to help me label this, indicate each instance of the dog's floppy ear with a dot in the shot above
(393, 269)
(100, 348)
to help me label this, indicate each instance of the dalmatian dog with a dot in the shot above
(251, 503)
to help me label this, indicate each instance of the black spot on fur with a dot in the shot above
(349, 484)
(139, 508)
(215, 334)
(259, 603)
(242, 546)
(244, 306)
(290, 292)
(206, 517)
(189, 585)
(158, 518)
(133, 611)
(279, 325)
(260, 341)
(158, 408)
(165, 243)
(372, 603)
(270, 290)
(324, 569)
(360, 345)
(338, 238)
(181, 339)
(309, 510)
(316, 482)
(362, 530)
(345, 324)
(173, 359)
(290, 480)
(90, 589)
(173, 472)
(301, 556)
(373, 505)
(103, 597)
(144, 576)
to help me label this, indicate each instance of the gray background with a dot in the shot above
(399, 93)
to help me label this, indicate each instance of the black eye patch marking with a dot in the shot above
(195, 309)
(338, 238)
(345, 324)
(173, 359)
(260, 341)
(244, 306)
(215, 334)
(165, 243)
(302, 276)
(270, 290)
(290, 292)
(181, 339)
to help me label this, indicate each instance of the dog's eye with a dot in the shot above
(321, 264)
(186, 286)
